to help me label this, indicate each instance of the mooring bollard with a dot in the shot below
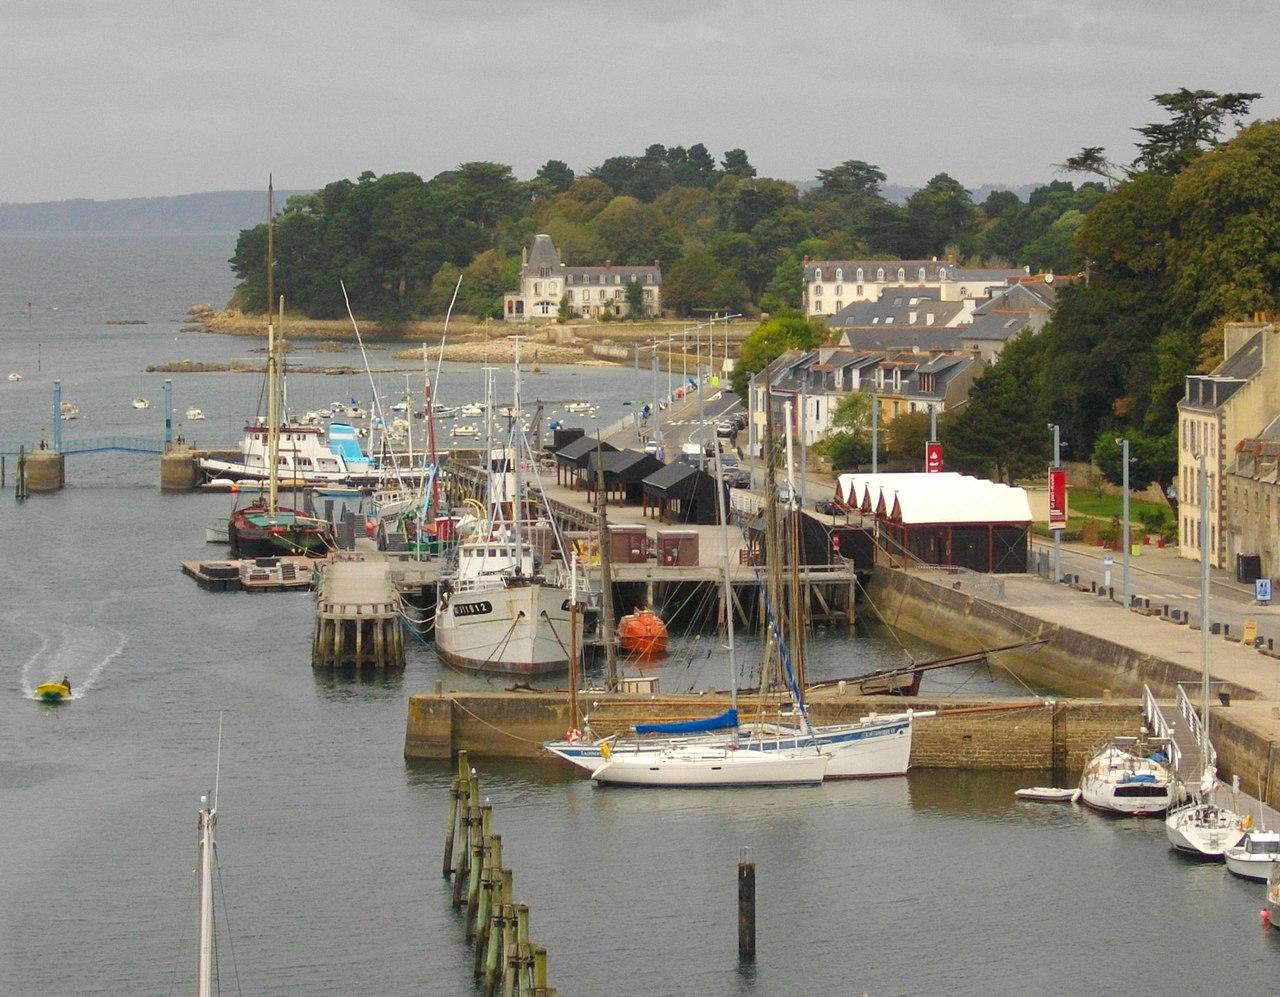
(746, 907)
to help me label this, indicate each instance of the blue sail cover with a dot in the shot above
(725, 721)
(343, 442)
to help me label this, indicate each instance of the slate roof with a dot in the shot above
(905, 337)
(897, 307)
(577, 451)
(1024, 296)
(998, 326)
(849, 269)
(1244, 362)
(627, 465)
(542, 253)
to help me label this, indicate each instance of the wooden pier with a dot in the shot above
(357, 615)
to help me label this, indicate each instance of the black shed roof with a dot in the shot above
(579, 450)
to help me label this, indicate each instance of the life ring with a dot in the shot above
(573, 736)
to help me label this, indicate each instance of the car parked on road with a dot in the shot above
(828, 507)
(726, 430)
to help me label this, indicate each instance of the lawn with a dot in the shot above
(1084, 503)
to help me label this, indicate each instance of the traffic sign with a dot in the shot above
(1262, 590)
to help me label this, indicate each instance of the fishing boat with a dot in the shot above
(465, 430)
(266, 528)
(1048, 794)
(15, 376)
(472, 410)
(499, 609)
(1123, 778)
(195, 415)
(1273, 896)
(53, 692)
(1255, 856)
(140, 403)
(1204, 828)
(643, 632)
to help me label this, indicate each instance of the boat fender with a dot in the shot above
(1247, 823)
(573, 736)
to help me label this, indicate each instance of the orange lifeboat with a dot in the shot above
(643, 632)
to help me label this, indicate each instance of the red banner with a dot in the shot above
(932, 458)
(1057, 498)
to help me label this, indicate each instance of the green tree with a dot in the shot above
(556, 175)
(770, 339)
(699, 283)
(906, 435)
(784, 288)
(849, 443)
(1196, 120)
(938, 215)
(634, 295)
(1000, 431)
(735, 164)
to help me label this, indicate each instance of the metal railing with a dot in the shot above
(1191, 715)
(98, 444)
(1157, 724)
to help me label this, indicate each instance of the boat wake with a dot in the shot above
(78, 652)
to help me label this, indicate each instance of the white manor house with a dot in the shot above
(591, 291)
(829, 285)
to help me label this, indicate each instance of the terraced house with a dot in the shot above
(589, 291)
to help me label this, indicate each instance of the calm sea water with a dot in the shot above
(330, 844)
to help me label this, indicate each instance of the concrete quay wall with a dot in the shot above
(1020, 734)
(1074, 662)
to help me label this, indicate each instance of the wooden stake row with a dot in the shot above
(496, 925)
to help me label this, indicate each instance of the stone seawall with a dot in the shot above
(1022, 734)
(1074, 662)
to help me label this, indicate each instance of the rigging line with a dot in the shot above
(500, 730)
(182, 937)
(443, 336)
(226, 918)
(377, 402)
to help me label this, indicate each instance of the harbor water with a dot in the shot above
(330, 845)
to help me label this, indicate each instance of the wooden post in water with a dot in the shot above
(746, 907)
(490, 898)
(508, 967)
(455, 795)
(479, 864)
(524, 951)
(470, 822)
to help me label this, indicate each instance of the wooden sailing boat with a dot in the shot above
(266, 528)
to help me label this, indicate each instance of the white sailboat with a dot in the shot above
(206, 857)
(1203, 827)
(500, 610)
(1123, 779)
(762, 759)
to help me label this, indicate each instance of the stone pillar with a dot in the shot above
(44, 471)
(178, 469)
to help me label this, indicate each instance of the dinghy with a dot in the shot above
(1048, 794)
(53, 692)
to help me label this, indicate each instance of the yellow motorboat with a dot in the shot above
(53, 692)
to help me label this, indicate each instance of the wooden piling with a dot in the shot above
(479, 862)
(455, 796)
(746, 908)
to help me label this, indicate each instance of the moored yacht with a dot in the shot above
(1120, 779)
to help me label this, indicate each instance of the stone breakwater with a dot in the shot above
(1017, 734)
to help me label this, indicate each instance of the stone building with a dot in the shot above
(1253, 498)
(1234, 402)
(591, 291)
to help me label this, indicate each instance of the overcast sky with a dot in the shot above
(121, 98)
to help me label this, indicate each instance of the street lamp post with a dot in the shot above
(1124, 457)
(1057, 534)
(875, 432)
(670, 366)
(751, 427)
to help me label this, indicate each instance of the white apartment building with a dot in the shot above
(829, 285)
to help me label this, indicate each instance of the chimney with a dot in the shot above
(806, 259)
(657, 264)
(524, 256)
(608, 264)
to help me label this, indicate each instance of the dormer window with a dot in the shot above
(879, 273)
(839, 273)
(942, 273)
(602, 278)
(817, 273)
(902, 274)
(922, 274)
(859, 274)
(633, 278)
(617, 278)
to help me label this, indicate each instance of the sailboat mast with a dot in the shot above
(517, 503)
(793, 545)
(606, 571)
(772, 548)
(573, 640)
(1205, 651)
(728, 588)
(273, 424)
(428, 400)
(207, 816)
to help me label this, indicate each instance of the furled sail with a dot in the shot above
(725, 721)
